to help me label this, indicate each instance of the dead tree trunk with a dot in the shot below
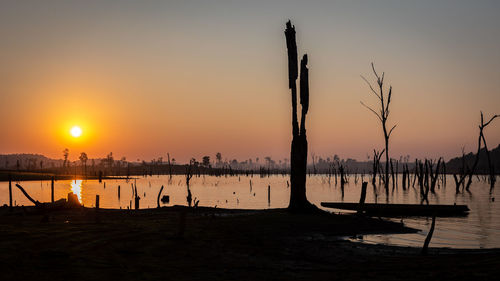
(490, 165)
(97, 202)
(429, 237)
(158, 198)
(403, 180)
(189, 175)
(52, 190)
(392, 174)
(342, 179)
(382, 116)
(470, 172)
(434, 175)
(298, 155)
(444, 173)
(362, 197)
(10, 191)
(136, 198)
(376, 163)
(169, 165)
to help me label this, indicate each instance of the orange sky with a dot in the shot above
(193, 79)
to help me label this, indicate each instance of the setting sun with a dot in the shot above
(76, 131)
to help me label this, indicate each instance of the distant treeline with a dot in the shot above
(456, 164)
(317, 165)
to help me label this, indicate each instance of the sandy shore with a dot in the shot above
(178, 243)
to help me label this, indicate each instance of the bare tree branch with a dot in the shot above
(379, 117)
(376, 74)
(370, 85)
(492, 118)
(388, 102)
(390, 131)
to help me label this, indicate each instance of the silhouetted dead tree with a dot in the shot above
(385, 101)
(169, 166)
(422, 174)
(298, 155)
(189, 175)
(342, 179)
(158, 198)
(434, 174)
(443, 173)
(404, 177)
(136, 198)
(476, 161)
(376, 163)
(490, 165)
(459, 181)
(392, 174)
(429, 237)
(362, 198)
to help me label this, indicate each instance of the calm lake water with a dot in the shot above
(480, 229)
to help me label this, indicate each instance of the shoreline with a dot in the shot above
(216, 244)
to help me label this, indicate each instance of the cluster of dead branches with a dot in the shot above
(427, 175)
(468, 172)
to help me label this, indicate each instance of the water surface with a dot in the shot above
(480, 229)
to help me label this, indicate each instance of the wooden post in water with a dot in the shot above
(342, 180)
(269, 195)
(97, 202)
(118, 192)
(137, 198)
(52, 190)
(362, 198)
(10, 191)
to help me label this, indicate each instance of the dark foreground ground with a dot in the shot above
(81, 244)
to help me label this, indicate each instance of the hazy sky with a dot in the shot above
(143, 78)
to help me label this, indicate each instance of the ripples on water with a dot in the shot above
(480, 229)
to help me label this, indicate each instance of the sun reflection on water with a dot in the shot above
(76, 188)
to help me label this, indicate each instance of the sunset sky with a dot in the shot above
(143, 78)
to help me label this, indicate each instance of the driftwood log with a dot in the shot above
(27, 196)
